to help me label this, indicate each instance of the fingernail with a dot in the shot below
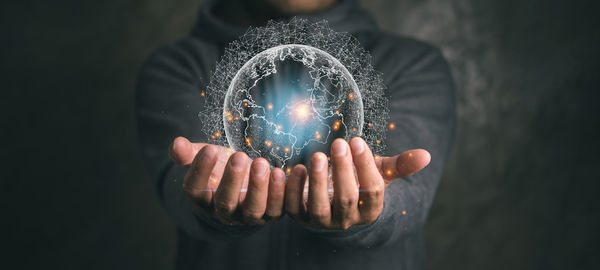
(358, 146)
(238, 162)
(278, 176)
(297, 171)
(260, 168)
(208, 154)
(318, 162)
(339, 148)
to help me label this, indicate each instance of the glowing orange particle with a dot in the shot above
(378, 141)
(245, 104)
(270, 106)
(286, 149)
(360, 202)
(248, 141)
(215, 135)
(351, 96)
(410, 154)
(336, 125)
(377, 156)
(354, 130)
(202, 94)
(388, 172)
(288, 170)
(337, 111)
(268, 143)
(392, 125)
(317, 135)
(229, 116)
(279, 127)
(404, 212)
(277, 148)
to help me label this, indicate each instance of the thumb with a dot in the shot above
(182, 151)
(403, 165)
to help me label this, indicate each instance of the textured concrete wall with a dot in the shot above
(520, 191)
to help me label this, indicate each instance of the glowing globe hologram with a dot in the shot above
(287, 90)
(289, 102)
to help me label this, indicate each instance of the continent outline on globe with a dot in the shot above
(313, 119)
(368, 86)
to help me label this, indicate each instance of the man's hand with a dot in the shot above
(217, 177)
(359, 181)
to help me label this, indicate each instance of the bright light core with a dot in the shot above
(301, 112)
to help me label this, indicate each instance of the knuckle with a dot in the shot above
(192, 191)
(252, 217)
(320, 212)
(272, 215)
(345, 225)
(224, 207)
(373, 194)
(347, 202)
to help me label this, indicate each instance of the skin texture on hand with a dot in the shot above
(230, 186)
(359, 182)
(239, 191)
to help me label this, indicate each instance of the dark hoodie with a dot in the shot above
(421, 104)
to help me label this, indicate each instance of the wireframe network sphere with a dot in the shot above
(286, 90)
(290, 101)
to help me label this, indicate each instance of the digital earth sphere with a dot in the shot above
(290, 101)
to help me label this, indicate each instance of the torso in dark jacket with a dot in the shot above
(421, 104)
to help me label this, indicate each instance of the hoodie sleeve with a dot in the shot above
(168, 100)
(423, 107)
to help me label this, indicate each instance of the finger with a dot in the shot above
(319, 208)
(222, 159)
(345, 190)
(254, 204)
(403, 165)
(276, 194)
(183, 152)
(195, 183)
(294, 191)
(227, 195)
(371, 193)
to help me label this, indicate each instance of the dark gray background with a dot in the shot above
(520, 192)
